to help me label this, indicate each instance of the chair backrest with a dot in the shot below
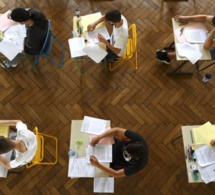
(132, 41)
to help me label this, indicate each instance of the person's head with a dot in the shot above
(136, 150)
(23, 16)
(6, 145)
(113, 16)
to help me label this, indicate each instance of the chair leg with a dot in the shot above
(78, 65)
(33, 65)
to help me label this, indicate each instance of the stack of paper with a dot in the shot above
(103, 184)
(76, 46)
(195, 36)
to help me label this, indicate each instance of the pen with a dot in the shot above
(181, 30)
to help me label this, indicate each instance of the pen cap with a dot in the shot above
(77, 13)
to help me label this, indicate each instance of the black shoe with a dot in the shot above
(162, 54)
(166, 60)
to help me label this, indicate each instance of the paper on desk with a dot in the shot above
(195, 36)
(190, 51)
(9, 49)
(102, 152)
(5, 23)
(207, 173)
(93, 125)
(92, 36)
(204, 134)
(205, 155)
(95, 52)
(76, 46)
(3, 170)
(103, 184)
(78, 167)
(15, 32)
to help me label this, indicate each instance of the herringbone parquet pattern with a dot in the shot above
(145, 100)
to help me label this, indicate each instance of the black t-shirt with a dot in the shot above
(134, 165)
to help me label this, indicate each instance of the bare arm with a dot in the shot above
(212, 142)
(93, 25)
(209, 42)
(109, 171)
(5, 162)
(194, 18)
(116, 131)
(9, 122)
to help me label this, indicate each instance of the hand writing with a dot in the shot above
(93, 160)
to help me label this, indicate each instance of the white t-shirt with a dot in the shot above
(29, 138)
(119, 36)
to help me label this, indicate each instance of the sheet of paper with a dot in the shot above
(92, 36)
(15, 32)
(5, 23)
(78, 167)
(95, 52)
(76, 46)
(102, 152)
(9, 49)
(195, 36)
(204, 134)
(190, 51)
(207, 173)
(3, 170)
(205, 155)
(93, 125)
(103, 185)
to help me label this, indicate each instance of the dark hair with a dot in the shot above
(136, 150)
(22, 15)
(6, 145)
(113, 16)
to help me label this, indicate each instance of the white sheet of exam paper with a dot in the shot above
(9, 49)
(92, 36)
(103, 184)
(78, 167)
(190, 51)
(3, 170)
(102, 152)
(205, 155)
(207, 173)
(15, 32)
(93, 125)
(195, 36)
(76, 46)
(95, 52)
(5, 23)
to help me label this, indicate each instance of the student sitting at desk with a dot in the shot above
(25, 145)
(36, 24)
(164, 56)
(129, 156)
(117, 45)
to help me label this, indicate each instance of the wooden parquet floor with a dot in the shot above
(146, 100)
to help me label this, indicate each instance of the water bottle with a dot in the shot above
(206, 77)
(72, 154)
(77, 13)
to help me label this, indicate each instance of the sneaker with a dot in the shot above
(160, 53)
(166, 60)
(6, 65)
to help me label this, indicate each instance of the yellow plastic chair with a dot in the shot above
(38, 158)
(131, 50)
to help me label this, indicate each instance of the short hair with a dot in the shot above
(113, 16)
(20, 15)
(6, 145)
(136, 150)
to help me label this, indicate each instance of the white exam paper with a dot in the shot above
(207, 173)
(195, 36)
(93, 125)
(76, 46)
(103, 184)
(15, 32)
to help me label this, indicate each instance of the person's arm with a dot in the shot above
(116, 131)
(9, 122)
(195, 18)
(5, 162)
(212, 142)
(210, 42)
(93, 25)
(109, 171)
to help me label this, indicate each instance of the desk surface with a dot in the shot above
(206, 52)
(77, 134)
(188, 140)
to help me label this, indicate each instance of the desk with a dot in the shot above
(77, 134)
(188, 140)
(85, 21)
(206, 52)
(4, 130)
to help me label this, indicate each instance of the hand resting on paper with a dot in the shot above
(94, 141)
(212, 142)
(182, 20)
(94, 161)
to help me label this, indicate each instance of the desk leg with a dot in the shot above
(174, 72)
(207, 66)
(78, 65)
(181, 174)
(105, 63)
(174, 140)
(170, 46)
(8, 70)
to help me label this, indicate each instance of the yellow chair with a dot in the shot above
(38, 158)
(131, 50)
